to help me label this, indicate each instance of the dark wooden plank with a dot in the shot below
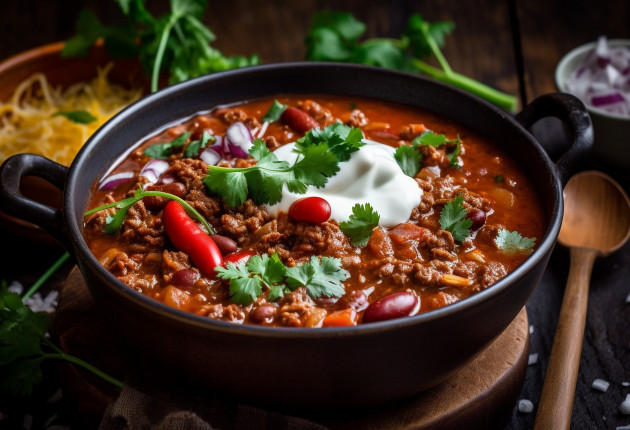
(551, 29)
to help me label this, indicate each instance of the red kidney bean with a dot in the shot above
(396, 305)
(188, 237)
(225, 244)
(310, 209)
(478, 218)
(185, 278)
(263, 313)
(239, 257)
(298, 120)
(155, 203)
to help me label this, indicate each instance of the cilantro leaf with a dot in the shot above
(77, 116)
(264, 181)
(176, 44)
(271, 269)
(163, 150)
(193, 148)
(430, 138)
(512, 242)
(341, 140)
(409, 159)
(275, 112)
(320, 278)
(334, 36)
(453, 219)
(23, 346)
(360, 225)
(113, 222)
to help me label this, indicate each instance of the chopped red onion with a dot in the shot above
(239, 140)
(210, 156)
(112, 181)
(154, 170)
(602, 79)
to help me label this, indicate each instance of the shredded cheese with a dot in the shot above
(27, 123)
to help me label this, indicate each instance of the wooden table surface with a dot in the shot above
(511, 45)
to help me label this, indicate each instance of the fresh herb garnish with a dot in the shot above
(409, 158)
(177, 43)
(334, 36)
(113, 222)
(512, 242)
(453, 219)
(320, 152)
(162, 151)
(499, 178)
(77, 116)
(275, 112)
(360, 225)
(23, 346)
(341, 140)
(193, 148)
(321, 278)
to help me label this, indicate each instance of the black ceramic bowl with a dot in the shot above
(352, 366)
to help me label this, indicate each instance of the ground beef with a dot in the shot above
(143, 230)
(190, 172)
(317, 111)
(173, 261)
(295, 308)
(490, 273)
(357, 119)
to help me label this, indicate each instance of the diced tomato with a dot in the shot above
(342, 318)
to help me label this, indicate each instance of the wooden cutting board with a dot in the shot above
(481, 395)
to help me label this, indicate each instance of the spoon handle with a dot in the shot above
(556, 399)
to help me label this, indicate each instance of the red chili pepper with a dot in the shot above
(310, 209)
(188, 237)
(239, 257)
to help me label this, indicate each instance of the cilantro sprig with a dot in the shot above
(320, 152)
(177, 43)
(360, 224)
(511, 242)
(334, 36)
(409, 158)
(113, 222)
(24, 346)
(162, 151)
(320, 278)
(453, 219)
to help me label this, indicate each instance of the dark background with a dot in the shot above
(511, 45)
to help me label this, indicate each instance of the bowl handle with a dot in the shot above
(13, 202)
(570, 110)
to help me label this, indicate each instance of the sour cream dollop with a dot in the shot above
(370, 176)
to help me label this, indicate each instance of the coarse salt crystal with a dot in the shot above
(628, 298)
(15, 287)
(625, 384)
(624, 408)
(525, 406)
(623, 428)
(531, 329)
(533, 359)
(601, 385)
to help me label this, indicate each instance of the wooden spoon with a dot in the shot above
(596, 223)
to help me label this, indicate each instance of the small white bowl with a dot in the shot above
(612, 131)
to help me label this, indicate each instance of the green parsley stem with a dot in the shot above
(155, 75)
(86, 366)
(47, 274)
(497, 98)
(192, 211)
(436, 51)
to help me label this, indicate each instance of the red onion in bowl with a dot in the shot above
(602, 78)
(153, 170)
(112, 181)
(239, 140)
